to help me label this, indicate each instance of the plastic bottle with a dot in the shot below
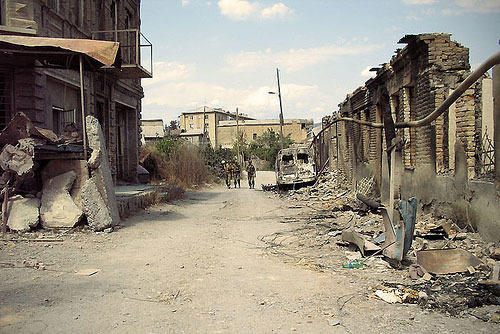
(354, 264)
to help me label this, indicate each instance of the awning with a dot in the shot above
(101, 53)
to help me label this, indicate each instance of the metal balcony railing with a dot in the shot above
(136, 52)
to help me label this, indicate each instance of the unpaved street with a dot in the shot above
(196, 266)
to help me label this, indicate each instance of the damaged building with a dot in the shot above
(449, 165)
(70, 105)
(49, 94)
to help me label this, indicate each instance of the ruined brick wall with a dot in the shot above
(413, 84)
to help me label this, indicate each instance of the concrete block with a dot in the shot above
(58, 208)
(23, 213)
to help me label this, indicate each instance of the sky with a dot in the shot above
(224, 53)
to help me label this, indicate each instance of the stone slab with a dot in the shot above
(58, 167)
(58, 208)
(23, 213)
(101, 177)
(95, 209)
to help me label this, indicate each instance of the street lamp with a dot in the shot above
(281, 107)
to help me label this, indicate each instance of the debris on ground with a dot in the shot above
(46, 181)
(447, 268)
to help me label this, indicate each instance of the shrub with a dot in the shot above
(176, 161)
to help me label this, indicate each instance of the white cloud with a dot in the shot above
(241, 10)
(237, 9)
(419, 2)
(185, 2)
(293, 59)
(169, 71)
(168, 99)
(479, 6)
(367, 73)
(276, 10)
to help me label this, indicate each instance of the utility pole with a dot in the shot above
(237, 137)
(203, 131)
(281, 108)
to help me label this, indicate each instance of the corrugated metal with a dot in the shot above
(103, 51)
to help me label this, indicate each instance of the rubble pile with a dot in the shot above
(328, 192)
(45, 180)
(447, 268)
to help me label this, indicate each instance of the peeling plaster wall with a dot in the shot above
(469, 203)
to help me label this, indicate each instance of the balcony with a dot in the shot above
(136, 53)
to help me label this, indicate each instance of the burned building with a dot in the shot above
(47, 88)
(447, 164)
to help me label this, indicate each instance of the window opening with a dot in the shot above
(303, 158)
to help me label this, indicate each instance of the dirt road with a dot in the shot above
(195, 266)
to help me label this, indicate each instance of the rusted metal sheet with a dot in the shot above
(446, 261)
(357, 239)
(102, 51)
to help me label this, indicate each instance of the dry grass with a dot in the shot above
(177, 162)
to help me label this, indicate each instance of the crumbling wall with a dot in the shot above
(413, 84)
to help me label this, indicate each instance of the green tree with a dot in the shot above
(267, 146)
(240, 145)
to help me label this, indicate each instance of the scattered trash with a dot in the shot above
(358, 239)
(388, 297)
(334, 322)
(87, 272)
(269, 187)
(354, 264)
(398, 295)
(334, 233)
(417, 271)
(315, 235)
(34, 265)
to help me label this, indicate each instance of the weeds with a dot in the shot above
(176, 161)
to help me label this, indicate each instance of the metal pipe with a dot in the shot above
(483, 68)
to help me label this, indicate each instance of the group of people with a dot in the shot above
(232, 174)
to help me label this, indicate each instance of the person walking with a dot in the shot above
(236, 174)
(227, 173)
(251, 175)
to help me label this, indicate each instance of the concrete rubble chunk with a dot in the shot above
(58, 167)
(23, 213)
(95, 209)
(58, 208)
(98, 193)
(16, 160)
